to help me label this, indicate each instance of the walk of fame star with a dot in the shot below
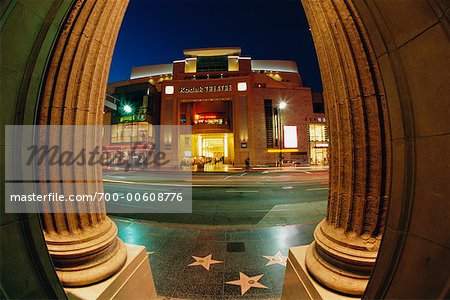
(276, 259)
(204, 261)
(248, 282)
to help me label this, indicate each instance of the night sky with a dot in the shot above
(157, 31)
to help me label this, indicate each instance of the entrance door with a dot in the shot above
(213, 147)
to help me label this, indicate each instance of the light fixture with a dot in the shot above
(282, 105)
(169, 90)
(242, 86)
(127, 108)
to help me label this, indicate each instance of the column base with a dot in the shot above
(342, 261)
(133, 281)
(88, 256)
(298, 283)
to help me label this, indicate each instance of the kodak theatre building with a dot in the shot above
(239, 108)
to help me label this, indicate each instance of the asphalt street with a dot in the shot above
(259, 197)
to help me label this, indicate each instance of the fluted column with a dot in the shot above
(346, 242)
(81, 239)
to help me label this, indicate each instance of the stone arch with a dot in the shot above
(367, 34)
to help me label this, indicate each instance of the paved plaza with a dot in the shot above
(208, 262)
(236, 241)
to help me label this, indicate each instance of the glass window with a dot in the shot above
(317, 132)
(212, 63)
(132, 132)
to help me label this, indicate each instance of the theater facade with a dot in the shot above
(240, 109)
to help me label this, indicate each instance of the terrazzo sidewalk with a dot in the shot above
(216, 262)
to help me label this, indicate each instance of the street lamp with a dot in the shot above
(282, 105)
(127, 108)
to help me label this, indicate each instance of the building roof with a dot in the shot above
(148, 71)
(275, 65)
(223, 51)
(257, 65)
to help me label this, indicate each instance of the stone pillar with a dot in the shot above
(346, 242)
(82, 243)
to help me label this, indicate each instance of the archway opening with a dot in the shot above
(355, 110)
(323, 12)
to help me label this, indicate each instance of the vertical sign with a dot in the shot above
(290, 139)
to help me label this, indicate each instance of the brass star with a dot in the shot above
(206, 261)
(276, 259)
(248, 282)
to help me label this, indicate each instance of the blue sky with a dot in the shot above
(157, 31)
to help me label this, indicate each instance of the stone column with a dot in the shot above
(346, 242)
(82, 243)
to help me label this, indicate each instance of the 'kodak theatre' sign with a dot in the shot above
(206, 89)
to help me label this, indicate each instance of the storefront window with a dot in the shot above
(318, 144)
(132, 133)
(317, 132)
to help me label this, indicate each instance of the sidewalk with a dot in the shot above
(181, 268)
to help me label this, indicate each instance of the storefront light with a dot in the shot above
(242, 86)
(169, 90)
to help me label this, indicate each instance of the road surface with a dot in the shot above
(261, 198)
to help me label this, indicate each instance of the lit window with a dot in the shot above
(169, 90)
(242, 86)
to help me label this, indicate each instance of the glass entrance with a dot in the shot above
(213, 148)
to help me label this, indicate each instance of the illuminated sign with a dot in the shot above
(206, 89)
(209, 118)
(290, 139)
(283, 151)
(133, 118)
(323, 145)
